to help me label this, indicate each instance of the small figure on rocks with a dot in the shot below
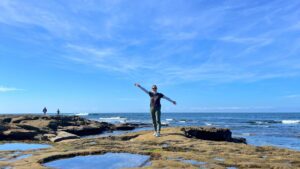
(58, 112)
(155, 106)
(45, 110)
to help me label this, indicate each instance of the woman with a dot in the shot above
(155, 107)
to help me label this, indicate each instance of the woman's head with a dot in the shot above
(154, 88)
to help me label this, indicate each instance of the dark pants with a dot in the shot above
(155, 113)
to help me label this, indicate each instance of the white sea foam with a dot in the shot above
(113, 119)
(82, 114)
(290, 121)
(208, 124)
(164, 123)
(246, 134)
(169, 119)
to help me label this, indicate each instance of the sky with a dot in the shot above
(209, 56)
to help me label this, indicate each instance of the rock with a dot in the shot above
(28, 127)
(238, 140)
(18, 119)
(62, 135)
(53, 125)
(124, 126)
(171, 150)
(5, 120)
(19, 134)
(36, 126)
(84, 130)
(211, 133)
(3, 128)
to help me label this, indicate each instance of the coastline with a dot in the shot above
(171, 150)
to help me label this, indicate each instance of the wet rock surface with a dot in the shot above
(212, 133)
(37, 127)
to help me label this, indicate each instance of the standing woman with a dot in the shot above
(45, 110)
(155, 106)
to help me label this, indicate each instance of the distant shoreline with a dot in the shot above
(163, 112)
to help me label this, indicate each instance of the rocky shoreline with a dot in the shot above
(54, 128)
(173, 149)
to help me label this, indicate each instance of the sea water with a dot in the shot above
(275, 129)
(22, 146)
(104, 161)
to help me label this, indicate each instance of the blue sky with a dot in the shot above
(209, 56)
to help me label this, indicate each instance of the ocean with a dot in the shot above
(261, 129)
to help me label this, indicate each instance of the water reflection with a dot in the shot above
(21, 146)
(104, 161)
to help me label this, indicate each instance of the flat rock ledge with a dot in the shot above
(53, 128)
(212, 133)
(172, 150)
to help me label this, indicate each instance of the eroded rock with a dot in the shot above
(211, 133)
(62, 135)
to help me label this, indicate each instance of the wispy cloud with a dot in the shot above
(291, 96)
(4, 89)
(192, 41)
(110, 59)
(246, 40)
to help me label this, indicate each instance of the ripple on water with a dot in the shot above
(103, 161)
(21, 146)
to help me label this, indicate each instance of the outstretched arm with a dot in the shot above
(170, 100)
(139, 86)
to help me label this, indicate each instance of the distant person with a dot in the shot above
(155, 107)
(58, 112)
(45, 110)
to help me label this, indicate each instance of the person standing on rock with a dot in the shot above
(155, 106)
(45, 110)
(58, 112)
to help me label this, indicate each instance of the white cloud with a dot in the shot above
(4, 89)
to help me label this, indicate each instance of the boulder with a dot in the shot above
(211, 133)
(62, 135)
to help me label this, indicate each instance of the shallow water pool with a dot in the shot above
(21, 146)
(103, 161)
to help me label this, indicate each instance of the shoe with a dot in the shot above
(154, 134)
(157, 134)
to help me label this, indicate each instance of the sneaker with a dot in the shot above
(157, 134)
(154, 134)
